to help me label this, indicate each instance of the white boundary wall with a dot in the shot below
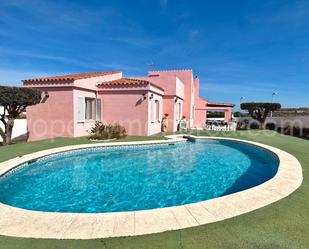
(20, 126)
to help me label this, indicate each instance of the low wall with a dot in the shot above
(19, 129)
(296, 121)
(283, 122)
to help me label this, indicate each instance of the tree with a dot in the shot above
(14, 101)
(260, 111)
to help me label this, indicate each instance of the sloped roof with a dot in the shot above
(128, 82)
(71, 76)
(170, 70)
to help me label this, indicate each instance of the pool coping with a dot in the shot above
(51, 225)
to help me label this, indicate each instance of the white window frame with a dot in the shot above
(81, 109)
(92, 113)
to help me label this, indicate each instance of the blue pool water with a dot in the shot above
(136, 178)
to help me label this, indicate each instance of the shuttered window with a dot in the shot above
(88, 109)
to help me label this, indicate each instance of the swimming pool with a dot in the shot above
(129, 178)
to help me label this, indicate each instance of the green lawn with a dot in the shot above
(284, 224)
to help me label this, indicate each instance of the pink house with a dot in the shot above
(72, 103)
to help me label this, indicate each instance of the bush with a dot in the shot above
(270, 126)
(254, 125)
(101, 131)
(118, 131)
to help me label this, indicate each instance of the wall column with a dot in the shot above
(227, 115)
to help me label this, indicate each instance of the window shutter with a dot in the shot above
(160, 111)
(80, 109)
(177, 111)
(98, 109)
(152, 111)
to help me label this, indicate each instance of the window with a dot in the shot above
(157, 111)
(99, 109)
(88, 109)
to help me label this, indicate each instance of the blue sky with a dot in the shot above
(238, 48)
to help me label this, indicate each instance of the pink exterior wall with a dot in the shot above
(87, 88)
(174, 93)
(126, 108)
(90, 83)
(131, 107)
(199, 105)
(154, 126)
(186, 78)
(180, 88)
(171, 84)
(50, 119)
(169, 107)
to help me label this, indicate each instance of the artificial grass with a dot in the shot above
(284, 224)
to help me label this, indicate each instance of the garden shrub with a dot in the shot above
(102, 131)
(254, 125)
(118, 131)
(270, 126)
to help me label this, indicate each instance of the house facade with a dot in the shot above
(72, 103)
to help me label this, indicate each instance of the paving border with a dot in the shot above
(35, 224)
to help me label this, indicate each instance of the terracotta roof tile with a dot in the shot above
(71, 76)
(128, 82)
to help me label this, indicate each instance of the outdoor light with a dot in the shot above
(46, 94)
(151, 96)
(144, 96)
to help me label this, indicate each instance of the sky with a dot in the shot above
(239, 48)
